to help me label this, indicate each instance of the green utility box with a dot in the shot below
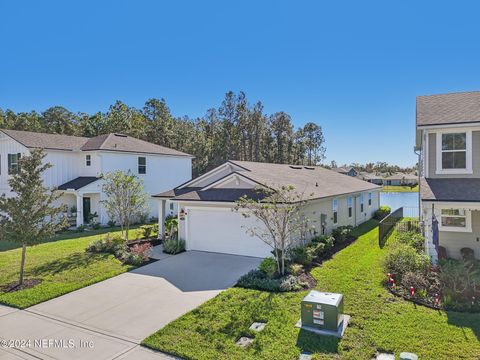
(322, 310)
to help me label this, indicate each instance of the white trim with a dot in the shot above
(468, 221)
(468, 151)
(228, 178)
(206, 175)
(449, 126)
(426, 155)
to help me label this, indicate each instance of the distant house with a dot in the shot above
(401, 179)
(79, 162)
(346, 170)
(207, 222)
(370, 177)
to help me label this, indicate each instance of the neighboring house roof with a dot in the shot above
(369, 176)
(107, 142)
(78, 183)
(448, 189)
(344, 169)
(454, 108)
(313, 181)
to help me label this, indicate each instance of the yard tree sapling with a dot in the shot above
(279, 211)
(30, 217)
(125, 198)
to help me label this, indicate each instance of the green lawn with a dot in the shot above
(379, 320)
(395, 188)
(63, 266)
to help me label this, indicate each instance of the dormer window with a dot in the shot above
(142, 165)
(88, 160)
(454, 152)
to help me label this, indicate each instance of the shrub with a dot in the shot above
(142, 250)
(148, 231)
(295, 269)
(301, 255)
(109, 244)
(171, 221)
(404, 258)
(81, 228)
(173, 246)
(382, 212)
(268, 266)
(289, 283)
(130, 258)
(257, 280)
(342, 233)
(327, 240)
(95, 225)
(418, 280)
(460, 280)
(111, 223)
(417, 241)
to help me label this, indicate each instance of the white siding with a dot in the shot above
(8, 146)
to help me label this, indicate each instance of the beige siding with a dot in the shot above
(432, 158)
(454, 241)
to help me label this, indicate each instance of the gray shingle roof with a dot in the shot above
(78, 183)
(107, 142)
(455, 108)
(314, 182)
(465, 190)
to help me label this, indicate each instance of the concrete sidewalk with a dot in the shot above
(109, 319)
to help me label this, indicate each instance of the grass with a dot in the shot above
(62, 265)
(380, 321)
(399, 188)
(5, 245)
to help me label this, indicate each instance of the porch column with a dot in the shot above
(161, 218)
(79, 210)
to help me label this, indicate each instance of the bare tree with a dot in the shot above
(125, 198)
(281, 222)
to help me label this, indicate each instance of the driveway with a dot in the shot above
(115, 315)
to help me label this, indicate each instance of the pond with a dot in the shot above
(409, 200)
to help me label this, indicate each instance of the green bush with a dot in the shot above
(327, 240)
(173, 246)
(110, 244)
(418, 280)
(416, 240)
(301, 255)
(460, 282)
(289, 283)
(295, 269)
(268, 266)
(111, 223)
(149, 231)
(130, 258)
(382, 212)
(342, 233)
(257, 280)
(404, 258)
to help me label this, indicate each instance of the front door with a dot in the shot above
(86, 209)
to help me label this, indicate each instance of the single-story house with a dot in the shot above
(370, 177)
(399, 179)
(208, 221)
(346, 170)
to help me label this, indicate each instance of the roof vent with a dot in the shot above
(309, 167)
(296, 167)
(316, 184)
(120, 135)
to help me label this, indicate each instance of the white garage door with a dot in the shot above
(220, 230)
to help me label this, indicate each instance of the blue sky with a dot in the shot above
(353, 67)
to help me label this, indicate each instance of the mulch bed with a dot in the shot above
(151, 241)
(414, 300)
(307, 278)
(27, 284)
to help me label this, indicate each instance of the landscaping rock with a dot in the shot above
(305, 356)
(408, 356)
(385, 356)
(258, 326)
(244, 342)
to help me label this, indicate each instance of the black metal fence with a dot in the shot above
(387, 224)
(403, 219)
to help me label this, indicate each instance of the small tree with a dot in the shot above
(125, 198)
(30, 218)
(279, 211)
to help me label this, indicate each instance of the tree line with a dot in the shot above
(236, 130)
(380, 167)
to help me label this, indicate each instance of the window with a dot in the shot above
(455, 220)
(361, 203)
(335, 210)
(142, 165)
(350, 206)
(454, 152)
(171, 206)
(369, 199)
(88, 160)
(13, 162)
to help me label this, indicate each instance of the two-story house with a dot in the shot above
(448, 138)
(79, 162)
